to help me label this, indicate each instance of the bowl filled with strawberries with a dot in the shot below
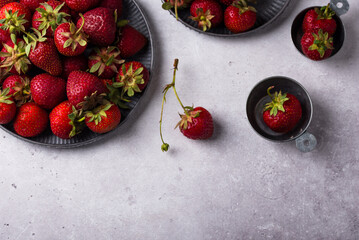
(71, 71)
(318, 32)
(225, 18)
(280, 109)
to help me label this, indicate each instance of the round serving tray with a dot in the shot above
(137, 20)
(267, 12)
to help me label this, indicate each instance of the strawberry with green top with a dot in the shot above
(317, 46)
(19, 88)
(105, 61)
(15, 17)
(7, 107)
(196, 123)
(283, 113)
(104, 118)
(49, 15)
(207, 13)
(322, 18)
(13, 57)
(240, 17)
(176, 5)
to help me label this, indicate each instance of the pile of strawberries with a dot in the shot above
(63, 65)
(236, 15)
(319, 26)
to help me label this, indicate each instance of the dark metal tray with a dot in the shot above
(267, 12)
(137, 20)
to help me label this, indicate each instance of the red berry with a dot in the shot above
(317, 46)
(239, 17)
(208, 13)
(63, 120)
(7, 107)
(70, 64)
(103, 119)
(316, 19)
(131, 41)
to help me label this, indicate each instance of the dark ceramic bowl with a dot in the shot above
(267, 12)
(339, 36)
(137, 20)
(257, 99)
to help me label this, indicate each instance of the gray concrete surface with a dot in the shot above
(234, 186)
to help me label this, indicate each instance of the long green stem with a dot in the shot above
(164, 146)
(176, 10)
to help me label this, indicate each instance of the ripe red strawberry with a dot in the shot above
(240, 17)
(13, 57)
(7, 107)
(4, 36)
(82, 86)
(131, 41)
(19, 88)
(100, 25)
(104, 118)
(43, 53)
(283, 113)
(82, 5)
(32, 4)
(69, 40)
(104, 62)
(48, 91)
(196, 123)
(107, 82)
(113, 5)
(132, 77)
(317, 46)
(322, 18)
(4, 2)
(49, 15)
(70, 64)
(31, 120)
(208, 13)
(176, 4)
(19, 18)
(64, 121)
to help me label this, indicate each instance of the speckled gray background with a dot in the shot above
(234, 186)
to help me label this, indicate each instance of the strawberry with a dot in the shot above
(227, 2)
(104, 118)
(4, 36)
(208, 13)
(42, 53)
(131, 41)
(31, 120)
(196, 123)
(239, 17)
(176, 4)
(7, 107)
(83, 87)
(100, 25)
(48, 91)
(82, 5)
(107, 82)
(322, 18)
(19, 88)
(64, 121)
(4, 2)
(49, 15)
(113, 5)
(13, 57)
(317, 46)
(32, 4)
(70, 64)
(283, 113)
(132, 77)
(104, 62)
(69, 40)
(15, 17)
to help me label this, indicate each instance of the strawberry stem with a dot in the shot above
(176, 11)
(268, 91)
(82, 24)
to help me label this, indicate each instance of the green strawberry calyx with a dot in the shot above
(322, 42)
(15, 57)
(51, 17)
(13, 22)
(130, 80)
(324, 12)
(277, 102)
(176, 4)
(76, 121)
(5, 97)
(31, 39)
(243, 6)
(22, 92)
(187, 117)
(92, 101)
(106, 57)
(98, 113)
(75, 36)
(203, 19)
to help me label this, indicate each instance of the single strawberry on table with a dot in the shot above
(31, 120)
(239, 17)
(196, 123)
(131, 41)
(322, 18)
(65, 121)
(283, 113)
(317, 46)
(7, 107)
(208, 13)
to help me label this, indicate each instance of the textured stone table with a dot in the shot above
(234, 186)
